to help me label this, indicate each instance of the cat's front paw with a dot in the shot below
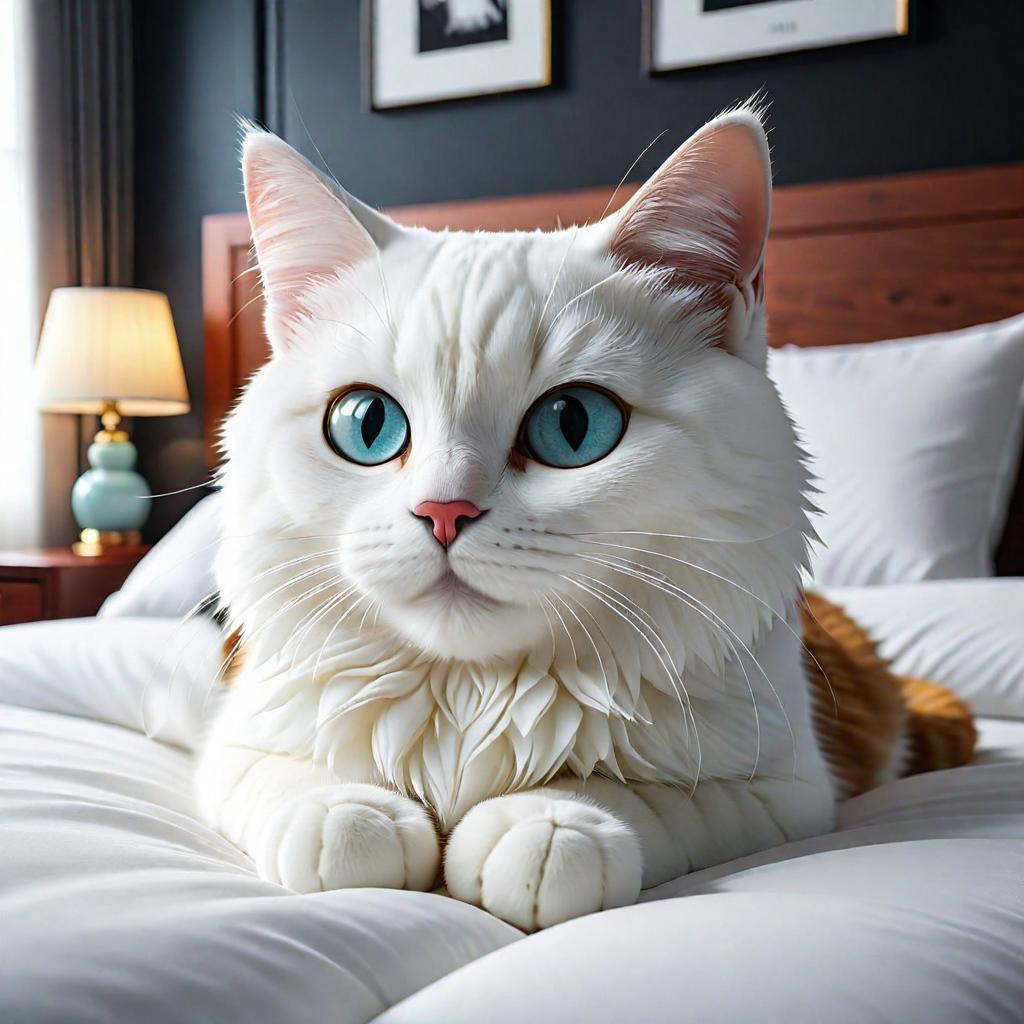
(535, 859)
(349, 836)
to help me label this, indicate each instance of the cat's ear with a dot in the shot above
(703, 216)
(304, 227)
(704, 213)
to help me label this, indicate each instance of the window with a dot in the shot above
(19, 423)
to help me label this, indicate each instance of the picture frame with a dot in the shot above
(694, 33)
(428, 51)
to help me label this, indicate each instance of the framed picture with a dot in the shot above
(422, 51)
(688, 33)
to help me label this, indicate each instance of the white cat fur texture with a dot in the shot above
(597, 686)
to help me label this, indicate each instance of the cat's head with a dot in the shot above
(476, 440)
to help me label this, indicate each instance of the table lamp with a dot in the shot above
(111, 352)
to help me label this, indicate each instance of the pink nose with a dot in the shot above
(445, 516)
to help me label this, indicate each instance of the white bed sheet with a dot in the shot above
(117, 904)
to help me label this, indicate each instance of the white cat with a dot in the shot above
(514, 527)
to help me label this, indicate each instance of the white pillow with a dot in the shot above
(916, 445)
(964, 634)
(177, 574)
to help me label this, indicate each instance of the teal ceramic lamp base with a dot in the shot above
(109, 499)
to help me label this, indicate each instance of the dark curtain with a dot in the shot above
(80, 85)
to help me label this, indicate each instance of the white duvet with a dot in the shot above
(117, 904)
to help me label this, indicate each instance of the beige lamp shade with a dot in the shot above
(110, 345)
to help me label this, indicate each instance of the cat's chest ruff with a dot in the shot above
(451, 734)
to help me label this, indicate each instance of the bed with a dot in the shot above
(117, 903)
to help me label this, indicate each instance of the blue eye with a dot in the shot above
(366, 426)
(573, 426)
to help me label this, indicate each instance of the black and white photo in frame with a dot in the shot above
(422, 51)
(689, 33)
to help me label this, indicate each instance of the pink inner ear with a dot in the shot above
(302, 229)
(704, 215)
(740, 156)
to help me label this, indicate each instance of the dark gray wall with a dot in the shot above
(951, 95)
(196, 65)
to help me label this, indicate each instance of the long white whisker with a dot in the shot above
(327, 639)
(180, 490)
(369, 608)
(235, 622)
(387, 327)
(568, 635)
(181, 649)
(593, 643)
(385, 295)
(281, 566)
(238, 617)
(547, 619)
(641, 613)
(343, 323)
(250, 637)
(630, 715)
(674, 676)
(740, 587)
(233, 536)
(316, 615)
(681, 536)
(551, 292)
(697, 604)
(803, 643)
(687, 599)
(629, 170)
(583, 294)
(634, 609)
(576, 332)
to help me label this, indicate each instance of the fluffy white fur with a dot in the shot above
(598, 685)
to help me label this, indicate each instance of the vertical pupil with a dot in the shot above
(372, 421)
(572, 420)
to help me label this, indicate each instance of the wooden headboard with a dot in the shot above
(847, 262)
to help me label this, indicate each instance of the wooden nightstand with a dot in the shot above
(55, 583)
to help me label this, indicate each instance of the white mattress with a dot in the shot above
(117, 904)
